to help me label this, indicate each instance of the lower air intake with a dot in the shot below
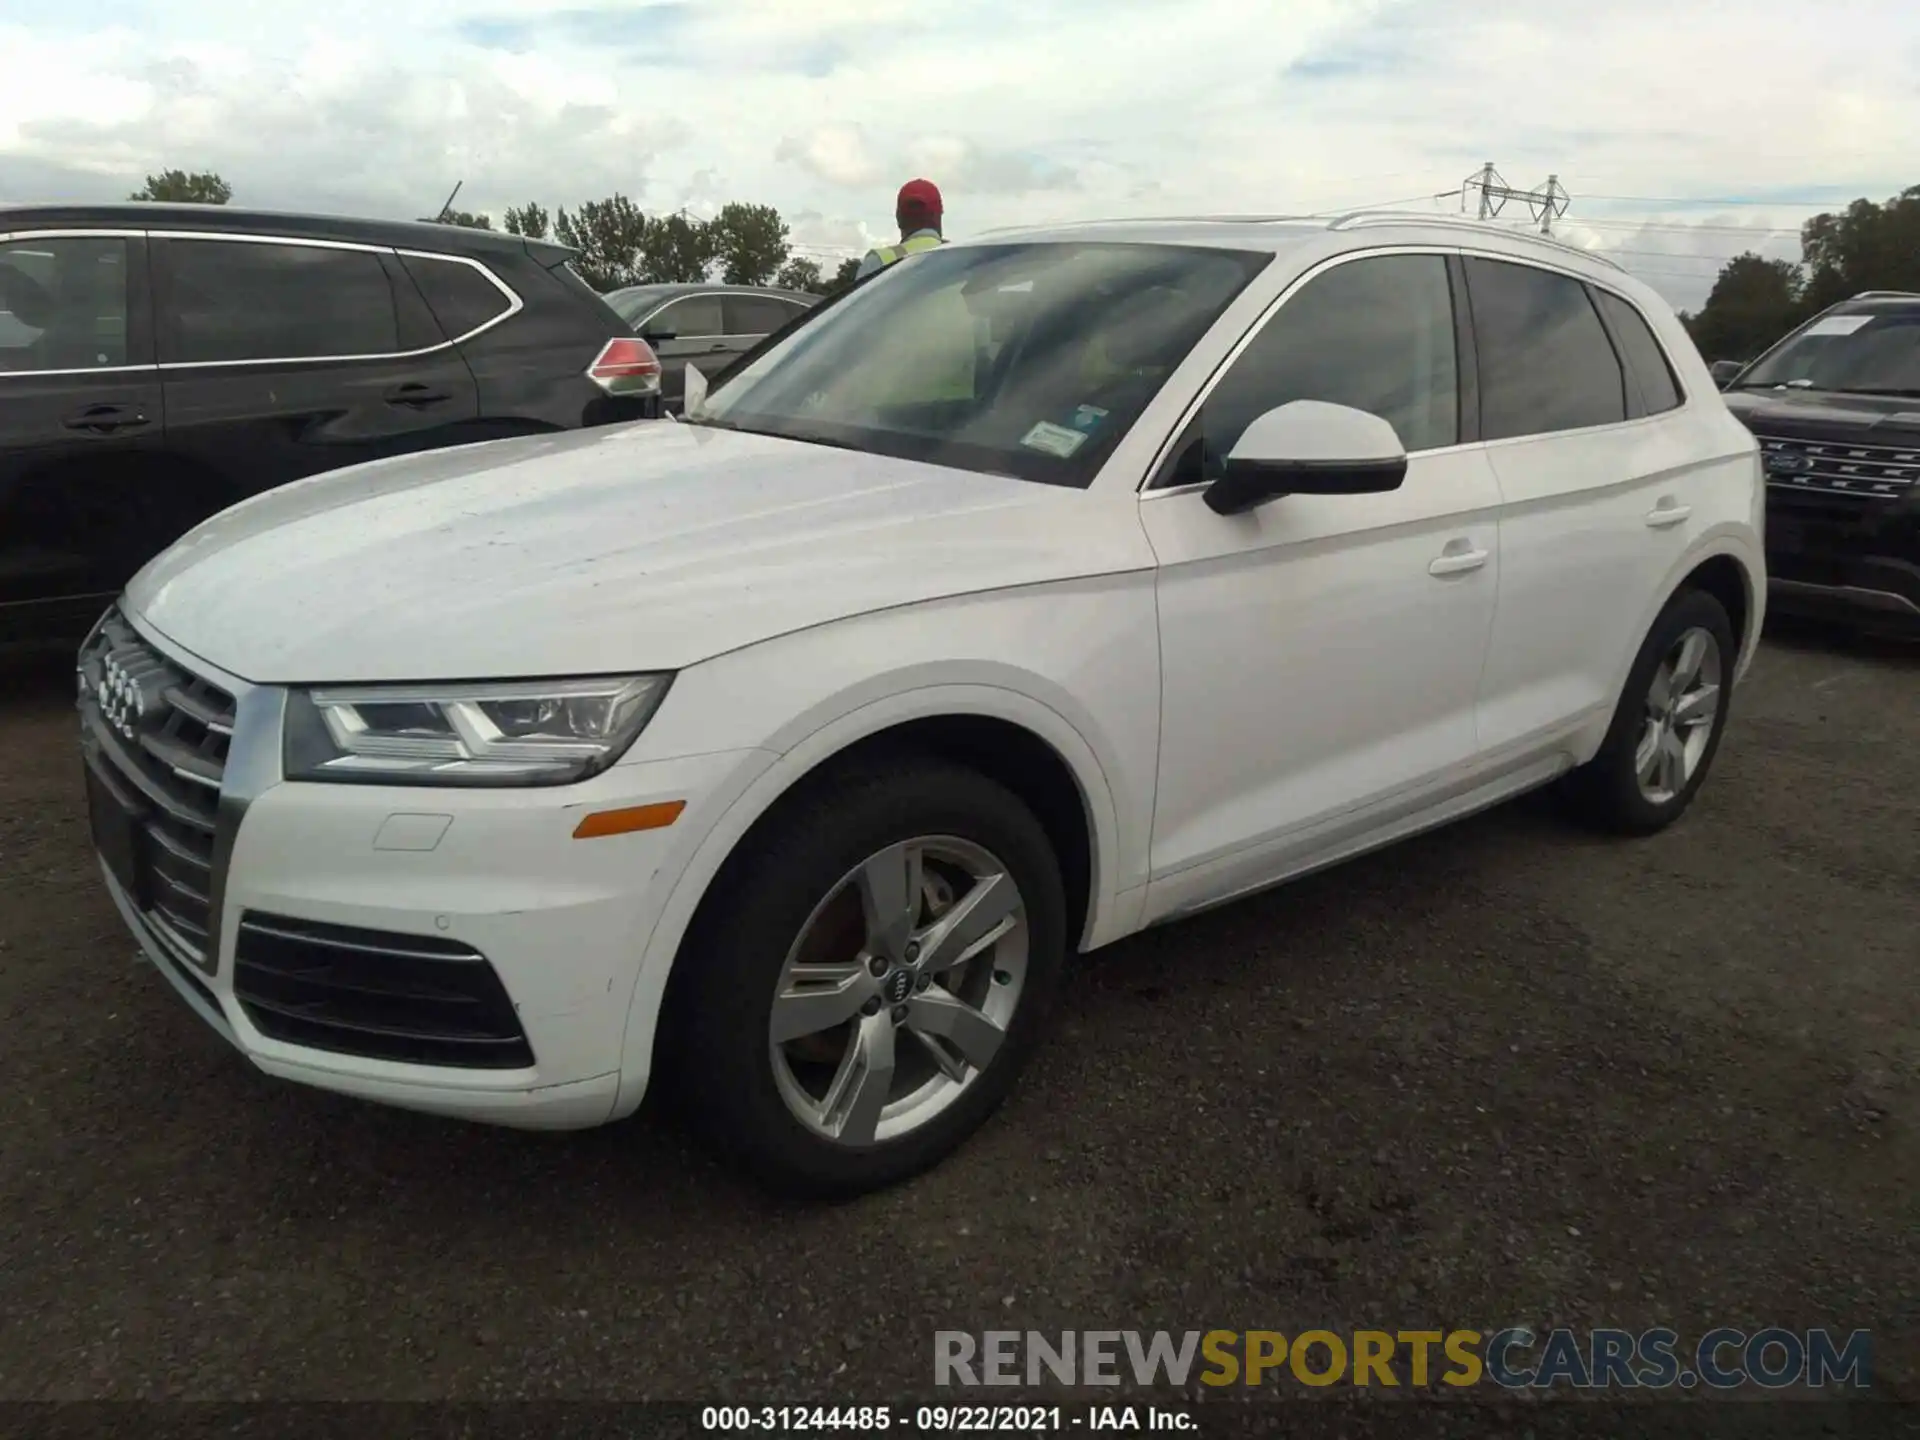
(412, 998)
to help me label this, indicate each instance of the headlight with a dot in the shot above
(519, 732)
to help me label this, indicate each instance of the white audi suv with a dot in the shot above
(1037, 590)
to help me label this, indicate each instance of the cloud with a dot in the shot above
(1019, 112)
(837, 154)
(324, 131)
(969, 169)
(844, 156)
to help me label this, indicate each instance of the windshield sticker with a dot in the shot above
(1086, 418)
(1053, 439)
(1839, 324)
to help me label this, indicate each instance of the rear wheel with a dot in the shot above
(871, 977)
(1668, 724)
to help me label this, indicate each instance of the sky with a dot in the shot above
(1684, 131)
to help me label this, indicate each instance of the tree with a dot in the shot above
(750, 242)
(1865, 247)
(678, 248)
(467, 218)
(199, 187)
(530, 220)
(611, 236)
(849, 270)
(1754, 302)
(801, 273)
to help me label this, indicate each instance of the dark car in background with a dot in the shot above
(1836, 408)
(710, 326)
(159, 363)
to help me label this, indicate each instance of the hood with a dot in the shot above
(648, 546)
(1829, 415)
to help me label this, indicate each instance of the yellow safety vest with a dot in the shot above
(890, 253)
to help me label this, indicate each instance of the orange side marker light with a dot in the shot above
(632, 818)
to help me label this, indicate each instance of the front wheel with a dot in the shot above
(877, 965)
(1668, 724)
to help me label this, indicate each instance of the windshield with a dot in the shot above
(1867, 352)
(633, 304)
(1023, 360)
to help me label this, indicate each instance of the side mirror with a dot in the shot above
(1723, 371)
(694, 397)
(654, 337)
(1308, 447)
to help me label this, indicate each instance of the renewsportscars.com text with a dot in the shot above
(1515, 1358)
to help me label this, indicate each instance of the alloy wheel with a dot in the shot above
(899, 991)
(1682, 704)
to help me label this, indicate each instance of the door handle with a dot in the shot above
(105, 419)
(1666, 513)
(721, 348)
(1457, 562)
(415, 394)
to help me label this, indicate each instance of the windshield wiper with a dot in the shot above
(1904, 390)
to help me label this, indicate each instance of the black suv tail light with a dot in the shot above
(626, 365)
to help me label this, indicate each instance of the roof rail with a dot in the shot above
(1888, 295)
(1469, 222)
(1346, 221)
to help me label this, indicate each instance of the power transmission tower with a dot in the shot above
(1546, 204)
(1485, 182)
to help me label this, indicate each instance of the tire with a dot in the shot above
(769, 1105)
(1611, 792)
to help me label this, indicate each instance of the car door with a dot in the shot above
(282, 358)
(81, 413)
(1597, 503)
(690, 330)
(1321, 654)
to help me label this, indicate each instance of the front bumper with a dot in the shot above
(1855, 557)
(491, 878)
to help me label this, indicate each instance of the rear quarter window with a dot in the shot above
(1647, 365)
(462, 297)
(575, 284)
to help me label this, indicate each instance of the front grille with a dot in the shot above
(1866, 472)
(162, 733)
(383, 996)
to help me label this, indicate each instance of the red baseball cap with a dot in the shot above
(919, 197)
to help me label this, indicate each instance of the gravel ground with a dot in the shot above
(1503, 1073)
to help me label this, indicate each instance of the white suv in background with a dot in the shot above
(1038, 590)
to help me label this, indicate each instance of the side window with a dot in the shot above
(1374, 334)
(63, 303)
(1646, 362)
(462, 299)
(757, 314)
(695, 316)
(244, 300)
(1546, 363)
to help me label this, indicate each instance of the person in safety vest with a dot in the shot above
(918, 213)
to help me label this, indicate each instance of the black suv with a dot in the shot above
(1836, 407)
(160, 362)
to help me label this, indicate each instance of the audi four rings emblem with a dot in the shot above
(122, 704)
